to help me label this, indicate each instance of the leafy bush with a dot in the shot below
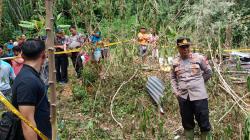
(89, 74)
(79, 92)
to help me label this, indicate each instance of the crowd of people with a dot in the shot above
(97, 50)
(24, 74)
(29, 72)
(62, 43)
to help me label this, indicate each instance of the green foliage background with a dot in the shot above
(119, 19)
(221, 22)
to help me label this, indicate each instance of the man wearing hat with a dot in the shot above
(189, 73)
(61, 60)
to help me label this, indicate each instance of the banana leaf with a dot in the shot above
(64, 26)
(28, 26)
(26, 22)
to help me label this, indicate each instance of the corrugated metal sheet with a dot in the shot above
(155, 88)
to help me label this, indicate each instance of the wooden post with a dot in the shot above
(52, 72)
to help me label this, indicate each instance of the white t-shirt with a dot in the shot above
(75, 41)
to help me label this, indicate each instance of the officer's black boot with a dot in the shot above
(189, 134)
(206, 135)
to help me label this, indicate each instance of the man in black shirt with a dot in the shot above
(29, 91)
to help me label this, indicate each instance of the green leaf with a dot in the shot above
(28, 26)
(26, 22)
(41, 18)
(90, 125)
(40, 24)
(63, 26)
(58, 16)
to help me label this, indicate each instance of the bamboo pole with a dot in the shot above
(52, 79)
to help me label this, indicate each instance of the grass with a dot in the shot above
(86, 114)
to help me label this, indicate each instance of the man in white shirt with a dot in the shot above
(75, 41)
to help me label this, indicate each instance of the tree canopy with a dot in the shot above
(221, 21)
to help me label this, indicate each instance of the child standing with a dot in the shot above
(95, 40)
(153, 42)
(143, 39)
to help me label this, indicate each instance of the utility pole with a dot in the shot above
(52, 72)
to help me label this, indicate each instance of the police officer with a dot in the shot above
(189, 73)
(61, 60)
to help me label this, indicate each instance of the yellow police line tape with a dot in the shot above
(70, 51)
(242, 49)
(79, 49)
(227, 50)
(19, 115)
(9, 58)
(115, 43)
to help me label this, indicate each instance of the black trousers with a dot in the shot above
(61, 62)
(77, 62)
(198, 109)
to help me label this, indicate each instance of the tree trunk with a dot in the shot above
(52, 72)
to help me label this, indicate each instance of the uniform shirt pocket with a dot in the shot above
(195, 69)
(179, 71)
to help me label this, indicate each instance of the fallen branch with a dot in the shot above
(238, 72)
(232, 92)
(228, 90)
(112, 101)
(225, 86)
(97, 91)
(150, 69)
(236, 78)
(175, 131)
(239, 82)
(231, 108)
